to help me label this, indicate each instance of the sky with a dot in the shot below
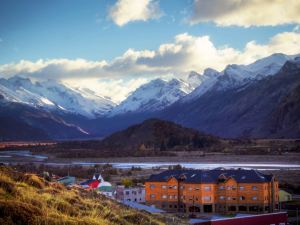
(114, 46)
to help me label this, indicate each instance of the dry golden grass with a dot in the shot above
(28, 199)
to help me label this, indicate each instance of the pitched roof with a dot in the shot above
(212, 176)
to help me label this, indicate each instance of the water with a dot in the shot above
(40, 159)
(25, 153)
(165, 165)
(200, 165)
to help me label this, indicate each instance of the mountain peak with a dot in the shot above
(153, 96)
(193, 74)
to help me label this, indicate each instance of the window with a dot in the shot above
(152, 186)
(228, 198)
(134, 192)
(242, 198)
(175, 187)
(127, 192)
(221, 188)
(197, 188)
(242, 188)
(164, 187)
(190, 188)
(181, 187)
(164, 196)
(152, 196)
(254, 188)
(222, 197)
(207, 188)
(254, 198)
(170, 196)
(207, 198)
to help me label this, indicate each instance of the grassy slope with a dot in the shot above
(28, 199)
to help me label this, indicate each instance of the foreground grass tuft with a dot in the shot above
(29, 199)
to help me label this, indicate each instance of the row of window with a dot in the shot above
(206, 188)
(133, 192)
(242, 198)
(254, 188)
(205, 198)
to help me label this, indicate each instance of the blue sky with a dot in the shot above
(34, 29)
(121, 40)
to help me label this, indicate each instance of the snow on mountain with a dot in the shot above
(153, 96)
(238, 75)
(194, 79)
(206, 81)
(54, 96)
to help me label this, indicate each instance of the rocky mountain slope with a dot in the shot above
(262, 108)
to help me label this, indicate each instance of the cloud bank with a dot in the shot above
(246, 13)
(125, 11)
(185, 53)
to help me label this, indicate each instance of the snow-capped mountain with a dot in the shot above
(237, 75)
(262, 108)
(153, 96)
(53, 95)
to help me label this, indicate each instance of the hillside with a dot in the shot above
(152, 137)
(28, 199)
(159, 135)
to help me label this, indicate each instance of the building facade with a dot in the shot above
(217, 190)
(131, 194)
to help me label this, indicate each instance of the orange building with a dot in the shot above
(217, 190)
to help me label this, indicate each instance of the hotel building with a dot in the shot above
(218, 190)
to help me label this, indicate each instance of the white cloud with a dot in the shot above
(125, 11)
(246, 13)
(123, 74)
(116, 89)
(54, 68)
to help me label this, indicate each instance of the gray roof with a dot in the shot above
(212, 176)
(139, 206)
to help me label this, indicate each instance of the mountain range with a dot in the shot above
(258, 100)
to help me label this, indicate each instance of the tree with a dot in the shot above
(127, 182)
